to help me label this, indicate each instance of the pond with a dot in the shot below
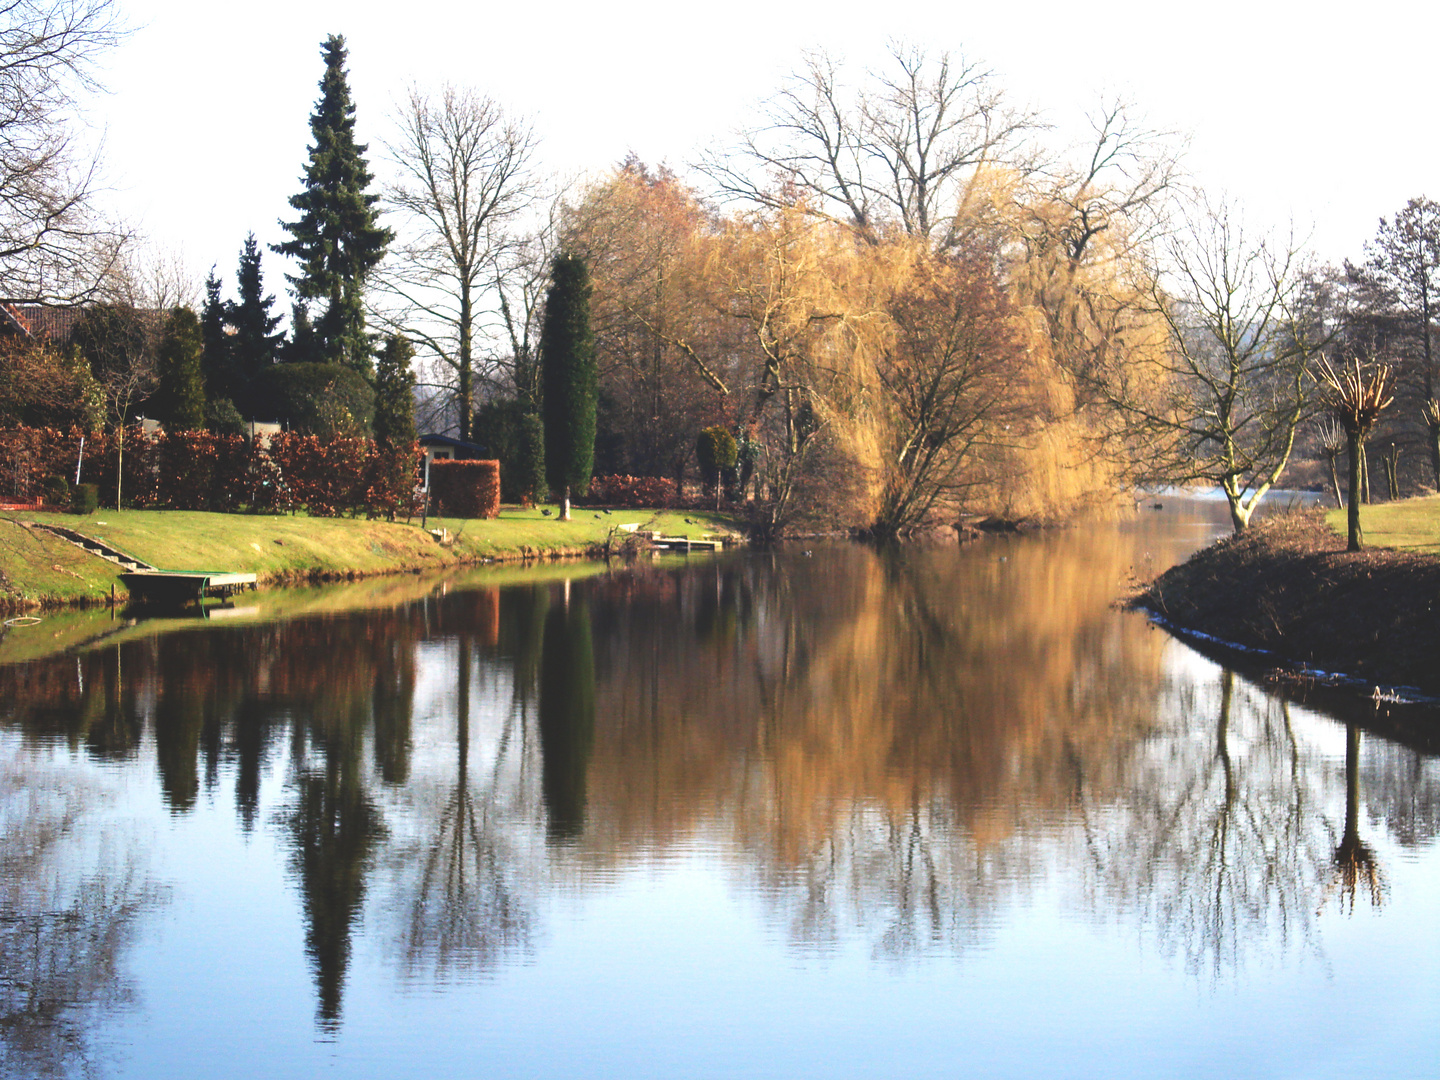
(825, 812)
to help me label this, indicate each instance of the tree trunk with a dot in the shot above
(119, 461)
(1353, 452)
(1335, 481)
(565, 504)
(466, 388)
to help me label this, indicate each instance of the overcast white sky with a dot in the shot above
(1319, 113)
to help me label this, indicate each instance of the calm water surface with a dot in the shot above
(813, 814)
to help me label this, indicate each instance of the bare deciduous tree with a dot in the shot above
(904, 153)
(466, 180)
(54, 246)
(1233, 382)
(1404, 261)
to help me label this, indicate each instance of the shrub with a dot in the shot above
(656, 491)
(85, 499)
(465, 489)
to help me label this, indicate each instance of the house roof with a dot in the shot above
(52, 324)
(454, 444)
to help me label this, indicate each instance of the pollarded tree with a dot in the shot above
(1356, 396)
(338, 240)
(180, 398)
(569, 379)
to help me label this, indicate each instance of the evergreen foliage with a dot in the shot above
(319, 399)
(255, 344)
(569, 378)
(223, 418)
(338, 239)
(716, 449)
(303, 347)
(180, 398)
(218, 361)
(513, 433)
(395, 393)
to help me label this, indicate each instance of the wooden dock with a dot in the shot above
(685, 544)
(175, 588)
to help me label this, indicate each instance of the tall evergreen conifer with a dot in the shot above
(570, 380)
(217, 361)
(180, 399)
(255, 342)
(338, 239)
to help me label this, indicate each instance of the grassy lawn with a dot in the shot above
(38, 566)
(1407, 525)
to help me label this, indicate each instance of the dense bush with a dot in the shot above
(85, 499)
(656, 491)
(465, 489)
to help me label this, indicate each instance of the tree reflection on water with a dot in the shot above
(73, 890)
(891, 748)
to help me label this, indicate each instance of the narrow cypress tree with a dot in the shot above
(180, 399)
(394, 424)
(338, 239)
(255, 342)
(569, 378)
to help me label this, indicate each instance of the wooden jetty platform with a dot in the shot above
(684, 543)
(174, 588)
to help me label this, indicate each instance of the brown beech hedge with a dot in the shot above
(195, 470)
(465, 489)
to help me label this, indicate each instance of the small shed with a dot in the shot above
(444, 448)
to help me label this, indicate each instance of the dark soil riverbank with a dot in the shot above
(1288, 586)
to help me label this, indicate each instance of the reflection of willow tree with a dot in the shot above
(567, 715)
(881, 730)
(1219, 843)
(468, 908)
(1354, 861)
(71, 896)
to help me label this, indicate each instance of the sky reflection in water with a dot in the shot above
(927, 813)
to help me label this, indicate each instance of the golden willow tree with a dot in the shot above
(905, 314)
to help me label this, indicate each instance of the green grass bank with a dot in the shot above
(38, 569)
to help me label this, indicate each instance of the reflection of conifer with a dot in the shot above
(567, 716)
(334, 828)
(178, 719)
(394, 702)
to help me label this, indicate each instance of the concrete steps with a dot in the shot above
(95, 547)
